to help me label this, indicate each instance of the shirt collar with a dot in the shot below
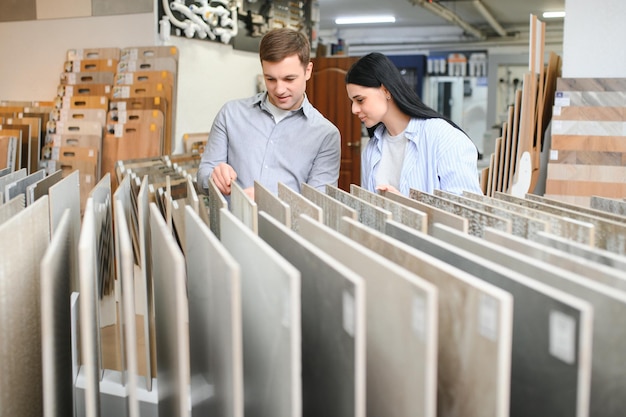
(306, 107)
(411, 131)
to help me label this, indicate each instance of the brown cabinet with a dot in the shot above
(327, 92)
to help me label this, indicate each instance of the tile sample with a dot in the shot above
(115, 7)
(474, 328)
(608, 370)
(56, 338)
(521, 225)
(620, 218)
(477, 219)
(333, 355)
(41, 188)
(369, 214)
(171, 316)
(609, 234)
(63, 9)
(11, 208)
(243, 207)
(575, 264)
(609, 205)
(216, 203)
(582, 232)
(399, 212)
(23, 238)
(17, 11)
(271, 204)
(125, 266)
(557, 381)
(270, 315)
(298, 204)
(401, 327)
(435, 215)
(8, 179)
(215, 335)
(333, 210)
(600, 256)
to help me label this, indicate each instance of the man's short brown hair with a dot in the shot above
(278, 44)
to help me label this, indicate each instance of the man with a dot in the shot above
(275, 136)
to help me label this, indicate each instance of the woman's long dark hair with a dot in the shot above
(374, 70)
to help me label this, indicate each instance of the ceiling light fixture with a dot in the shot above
(553, 15)
(355, 20)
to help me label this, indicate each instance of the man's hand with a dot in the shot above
(249, 192)
(223, 175)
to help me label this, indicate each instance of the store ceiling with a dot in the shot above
(509, 14)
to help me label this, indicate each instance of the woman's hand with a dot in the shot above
(387, 187)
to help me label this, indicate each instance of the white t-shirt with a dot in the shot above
(393, 149)
(278, 113)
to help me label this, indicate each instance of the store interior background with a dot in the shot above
(210, 73)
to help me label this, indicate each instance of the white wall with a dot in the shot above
(33, 52)
(592, 40)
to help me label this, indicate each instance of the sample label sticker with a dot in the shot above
(418, 316)
(488, 317)
(554, 154)
(562, 337)
(348, 313)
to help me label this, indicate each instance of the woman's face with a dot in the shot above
(369, 104)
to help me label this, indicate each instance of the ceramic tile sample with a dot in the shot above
(521, 225)
(608, 371)
(63, 9)
(171, 316)
(23, 238)
(16, 11)
(298, 205)
(41, 188)
(401, 327)
(271, 204)
(19, 186)
(125, 266)
(586, 210)
(557, 381)
(90, 346)
(590, 98)
(333, 210)
(399, 212)
(591, 84)
(270, 315)
(11, 208)
(609, 205)
(582, 232)
(8, 179)
(369, 214)
(333, 355)
(474, 328)
(215, 339)
(435, 215)
(243, 207)
(588, 252)
(609, 234)
(108, 7)
(56, 338)
(575, 264)
(216, 203)
(146, 285)
(478, 220)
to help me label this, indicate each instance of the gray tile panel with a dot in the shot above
(552, 332)
(216, 203)
(116, 7)
(478, 220)
(11, 208)
(369, 214)
(592, 211)
(271, 204)
(399, 212)
(171, 316)
(215, 339)
(401, 327)
(243, 207)
(23, 239)
(298, 204)
(332, 209)
(270, 314)
(333, 326)
(474, 328)
(609, 205)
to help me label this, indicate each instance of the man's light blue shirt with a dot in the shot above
(438, 156)
(304, 147)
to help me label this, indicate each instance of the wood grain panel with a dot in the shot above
(588, 158)
(596, 173)
(609, 114)
(591, 84)
(589, 143)
(581, 188)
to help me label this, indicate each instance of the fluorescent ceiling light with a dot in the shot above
(553, 15)
(355, 20)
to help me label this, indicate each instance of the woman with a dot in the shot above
(411, 145)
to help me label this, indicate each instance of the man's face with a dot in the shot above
(286, 81)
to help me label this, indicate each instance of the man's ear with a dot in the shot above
(308, 70)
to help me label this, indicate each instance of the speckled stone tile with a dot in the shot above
(216, 203)
(610, 205)
(369, 214)
(271, 204)
(332, 210)
(298, 204)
